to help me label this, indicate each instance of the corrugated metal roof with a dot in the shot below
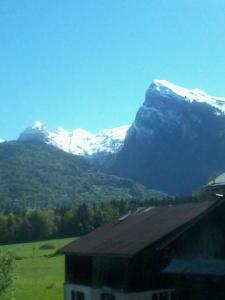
(137, 231)
(211, 267)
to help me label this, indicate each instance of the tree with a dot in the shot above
(6, 274)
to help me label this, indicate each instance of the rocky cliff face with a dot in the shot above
(176, 141)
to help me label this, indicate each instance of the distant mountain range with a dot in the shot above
(175, 143)
(78, 141)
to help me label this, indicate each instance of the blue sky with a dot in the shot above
(88, 63)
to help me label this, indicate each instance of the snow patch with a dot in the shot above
(78, 141)
(37, 132)
(38, 125)
(168, 89)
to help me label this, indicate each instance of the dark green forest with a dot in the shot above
(36, 175)
(40, 224)
(46, 193)
(24, 225)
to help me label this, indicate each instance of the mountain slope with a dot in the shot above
(176, 141)
(40, 175)
(78, 141)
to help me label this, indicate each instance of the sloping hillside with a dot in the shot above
(40, 175)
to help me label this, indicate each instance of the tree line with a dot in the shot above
(27, 225)
(24, 225)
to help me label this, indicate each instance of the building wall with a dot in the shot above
(110, 271)
(200, 288)
(95, 293)
(141, 274)
(78, 269)
(203, 241)
(145, 271)
(97, 271)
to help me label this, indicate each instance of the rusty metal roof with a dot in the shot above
(138, 231)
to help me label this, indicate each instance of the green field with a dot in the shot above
(39, 275)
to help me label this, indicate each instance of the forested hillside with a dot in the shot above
(36, 175)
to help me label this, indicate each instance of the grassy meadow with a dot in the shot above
(39, 275)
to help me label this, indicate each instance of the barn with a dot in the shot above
(158, 253)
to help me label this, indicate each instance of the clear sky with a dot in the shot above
(87, 63)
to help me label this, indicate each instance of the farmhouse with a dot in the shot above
(158, 253)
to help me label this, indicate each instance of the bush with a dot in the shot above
(47, 246)
(17, 257)
(6, 274)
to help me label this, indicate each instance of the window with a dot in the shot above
(173, 296)
(77, 296)
(107, 296)
(160, 295)
(72, 295)
(154, 297)
(164, 296)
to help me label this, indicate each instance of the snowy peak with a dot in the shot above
(38, 126)
(108, 140)
(82, 142)
(117, 133)
(168, 89)
(37, 132)
(167, 106)
(176, 140)
(77, 141)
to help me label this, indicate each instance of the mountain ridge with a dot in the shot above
(78, 141)
(84, 143)
(175, 129)
(176, 140)
(166, 88)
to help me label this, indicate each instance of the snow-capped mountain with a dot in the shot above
(37, 132)
(78, 141)
(168, 89)
(166, 104)
(176, 141)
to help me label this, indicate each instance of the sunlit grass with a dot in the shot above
(39, 275)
